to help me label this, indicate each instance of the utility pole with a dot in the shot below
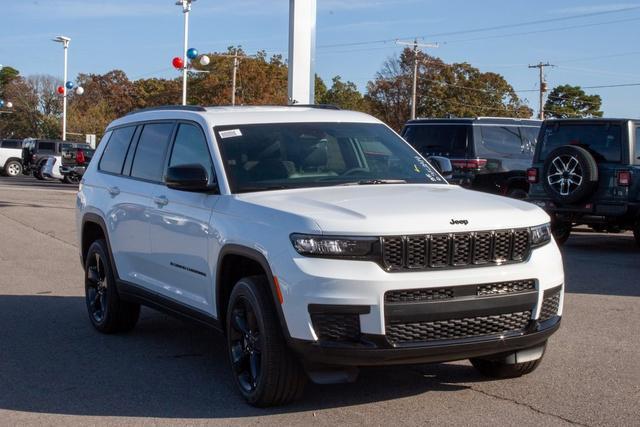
(233, 80)
(543, 86)
(186, 8)
(416, 50)
(65, 43)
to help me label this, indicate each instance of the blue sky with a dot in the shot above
(600, 47)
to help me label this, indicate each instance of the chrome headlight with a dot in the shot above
(540, 235)
(335, 246)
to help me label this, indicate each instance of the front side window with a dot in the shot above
(603, 141)
(295, 155)
(439, 139)
(116, 150)
(148, 162)
(190, 147)
(47, 146)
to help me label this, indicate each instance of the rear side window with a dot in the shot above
(500, 141)
(10, 144)
(603, 141)
(47, 146)
(530, 137)
(190, 147)
(148, 162)
(116, 150)
(439, 140)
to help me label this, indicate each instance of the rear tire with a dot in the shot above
(561, 232)
(71, 179)
(263, 367)
(37, 172)
(107, 312)
(517, 193)
(13, 168)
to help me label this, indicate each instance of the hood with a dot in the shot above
(389, 209)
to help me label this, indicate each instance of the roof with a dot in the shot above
(232, 115)
(478, 120)
(591, 119)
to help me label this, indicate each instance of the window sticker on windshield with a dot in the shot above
(230, 133)
(428, 169)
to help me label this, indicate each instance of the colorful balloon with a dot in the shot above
(178, 63)
(9, 104)
(69, 85)
(192, 53)
(204, 60)
(1, 103)
(79, 90)
(60, 90)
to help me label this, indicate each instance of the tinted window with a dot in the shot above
(530, 137)
(500, 141)
(190, 147)
(439, 140)
(46, 146)
(148, 162)
(603, 141)
(11, 144)
(116, 150)
(295, 155)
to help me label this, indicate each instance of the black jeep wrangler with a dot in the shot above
(587, 171)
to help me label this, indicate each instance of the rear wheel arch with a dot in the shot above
(236, 262)
(93, 228)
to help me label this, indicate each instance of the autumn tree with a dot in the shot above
(344, 95)
(566, 101)
(443, 90)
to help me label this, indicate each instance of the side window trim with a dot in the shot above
(128, 158)
(214, 176)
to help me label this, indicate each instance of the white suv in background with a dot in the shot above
(11, 157)
(317, 240)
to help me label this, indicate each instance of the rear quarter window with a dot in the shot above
(603, 141)
(439, 139)
(10, 144)
(116, 150)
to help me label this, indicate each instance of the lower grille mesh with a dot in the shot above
(402, 333)
(336, 327)
(550, 306)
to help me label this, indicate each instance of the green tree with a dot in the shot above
(344, 95)
(567, 101)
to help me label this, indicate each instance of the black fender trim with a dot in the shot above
(134, 293)
(254, 255)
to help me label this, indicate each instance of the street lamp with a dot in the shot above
(186, 8)
(65, 43)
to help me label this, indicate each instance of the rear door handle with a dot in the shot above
(161, 200)
(114, 191)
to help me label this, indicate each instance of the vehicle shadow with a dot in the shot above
(602, 264)
(53, 361)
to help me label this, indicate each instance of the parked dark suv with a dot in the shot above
(487, 154)
(587, 171)
(35, 153)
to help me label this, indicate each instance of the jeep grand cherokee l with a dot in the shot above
(317, 240)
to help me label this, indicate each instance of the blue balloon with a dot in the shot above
(192, 53)
(1, 103)
(69, 85)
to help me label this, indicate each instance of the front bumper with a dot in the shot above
(375, 350)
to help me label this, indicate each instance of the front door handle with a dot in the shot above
(114, 191)
(161, 200)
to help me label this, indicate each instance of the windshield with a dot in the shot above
(295, 155)
(439, 139)
(603, 141)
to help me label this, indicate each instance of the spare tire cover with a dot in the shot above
(570, 174)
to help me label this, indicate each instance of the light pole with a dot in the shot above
(186, 8)
(65, 43)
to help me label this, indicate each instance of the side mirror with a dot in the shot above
(442, 165)
(189, 178)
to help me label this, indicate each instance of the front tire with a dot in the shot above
(561, 232)
(498, 368)
(264, 369)
(71, 179)
(107, 312)
(37, 173)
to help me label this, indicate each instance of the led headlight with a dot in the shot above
(540, 235)
(334, 247)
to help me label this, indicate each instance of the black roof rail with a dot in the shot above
(319, 106)
(169, 107)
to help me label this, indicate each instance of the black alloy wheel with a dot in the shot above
(96, 288)
(245, 345)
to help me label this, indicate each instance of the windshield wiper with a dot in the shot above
(375, 182)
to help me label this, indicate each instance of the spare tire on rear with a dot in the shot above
(570, 174)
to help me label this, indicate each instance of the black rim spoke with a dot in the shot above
(245, 345)
(96, 283)
(240, 322)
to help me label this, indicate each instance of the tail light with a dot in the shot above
(33, 157)
(469, 164)
(80, 157)
(624, 178)
(532, 175)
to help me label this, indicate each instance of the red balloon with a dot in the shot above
(60, 90)
(178, 63)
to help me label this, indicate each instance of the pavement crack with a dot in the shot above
(526, 405)
(48, 234)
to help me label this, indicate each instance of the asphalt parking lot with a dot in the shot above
(55, 369)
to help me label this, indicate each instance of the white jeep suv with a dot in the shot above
(317, 240)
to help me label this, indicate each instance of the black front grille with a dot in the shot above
(502, 288)
(405, 333)
(455, 250)
(336, 327)
(550, 305)
(415, 295)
